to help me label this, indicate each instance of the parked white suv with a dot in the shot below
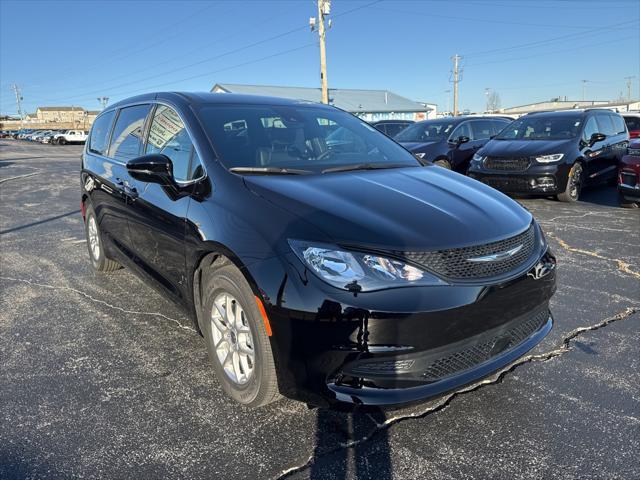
(70, 136)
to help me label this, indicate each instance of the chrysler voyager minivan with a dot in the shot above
(322, 271)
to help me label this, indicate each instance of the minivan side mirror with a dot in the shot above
(596, 137)
(460, 140)
(152, 168)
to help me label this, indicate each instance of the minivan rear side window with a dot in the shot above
(618, 124)
(126, 139)
(100, 133)
(605, 124)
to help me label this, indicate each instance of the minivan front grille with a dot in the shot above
(470, 263)
(507, 164)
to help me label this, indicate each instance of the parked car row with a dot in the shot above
(545, 153)
(52, 137)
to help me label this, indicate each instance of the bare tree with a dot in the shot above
(493, 102)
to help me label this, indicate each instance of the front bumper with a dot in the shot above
(538, 179)
(401, 345)
(629, 181)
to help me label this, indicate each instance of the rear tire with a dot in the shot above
(574, 184)
(443, 163)
(99, 260)
(236, 337)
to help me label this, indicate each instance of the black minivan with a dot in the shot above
(450, 142)
(553, 153)
(300, 259)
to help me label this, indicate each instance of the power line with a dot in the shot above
(544, 54)
(480, 20)
(250, 62)
(601, 31)
(215, 57)
(128, 51)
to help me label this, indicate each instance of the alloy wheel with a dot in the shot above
(94, 239)
(232, 339)
(575, 181)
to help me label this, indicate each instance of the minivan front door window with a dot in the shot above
(168, 136)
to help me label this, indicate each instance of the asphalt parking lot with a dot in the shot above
(102, 377)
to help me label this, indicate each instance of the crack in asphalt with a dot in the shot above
(97, 300)
(621, 265)
(19, 176)
(496, 378)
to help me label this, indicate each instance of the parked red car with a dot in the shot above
(633, 124)
(629, 177)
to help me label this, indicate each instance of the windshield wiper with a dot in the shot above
(365, 166)
(270, 170)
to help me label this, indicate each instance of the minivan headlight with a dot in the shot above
(556, 157)
(477, 157)
(359, 271)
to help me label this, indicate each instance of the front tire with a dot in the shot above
(236, 337)
(443, 163)
(99, 260)
(62, 141)
(624, 203)
(574, 184)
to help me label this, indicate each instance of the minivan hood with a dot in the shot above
(524, 148)
(419, 208)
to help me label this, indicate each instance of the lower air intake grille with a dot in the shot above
(473, 355)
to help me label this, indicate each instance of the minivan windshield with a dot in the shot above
(297, 139)
(550, 127)
(430, 131)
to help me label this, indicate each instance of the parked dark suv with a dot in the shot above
(391, 127)
(450, 142)
(553, 153)
(302, 263)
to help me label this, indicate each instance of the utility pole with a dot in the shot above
(584, 89)
(324, 9)
(486, 94)
(16, 90)
(628, 79)
(456, 79)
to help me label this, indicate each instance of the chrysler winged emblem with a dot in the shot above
(496, 257)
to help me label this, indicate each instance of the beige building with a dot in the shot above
(60, 114)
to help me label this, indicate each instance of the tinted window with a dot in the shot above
(498, 125)
(618, 124)
(100, 133)
(590, 128)
(429, 131)
(168, 136)
(126, 140)
(633, 123)
(295, 136)
(463, 130)
(542, 127)
(605, 124)
(482, 129)
(394, 128)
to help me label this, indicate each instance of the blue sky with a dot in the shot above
(71, 52)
